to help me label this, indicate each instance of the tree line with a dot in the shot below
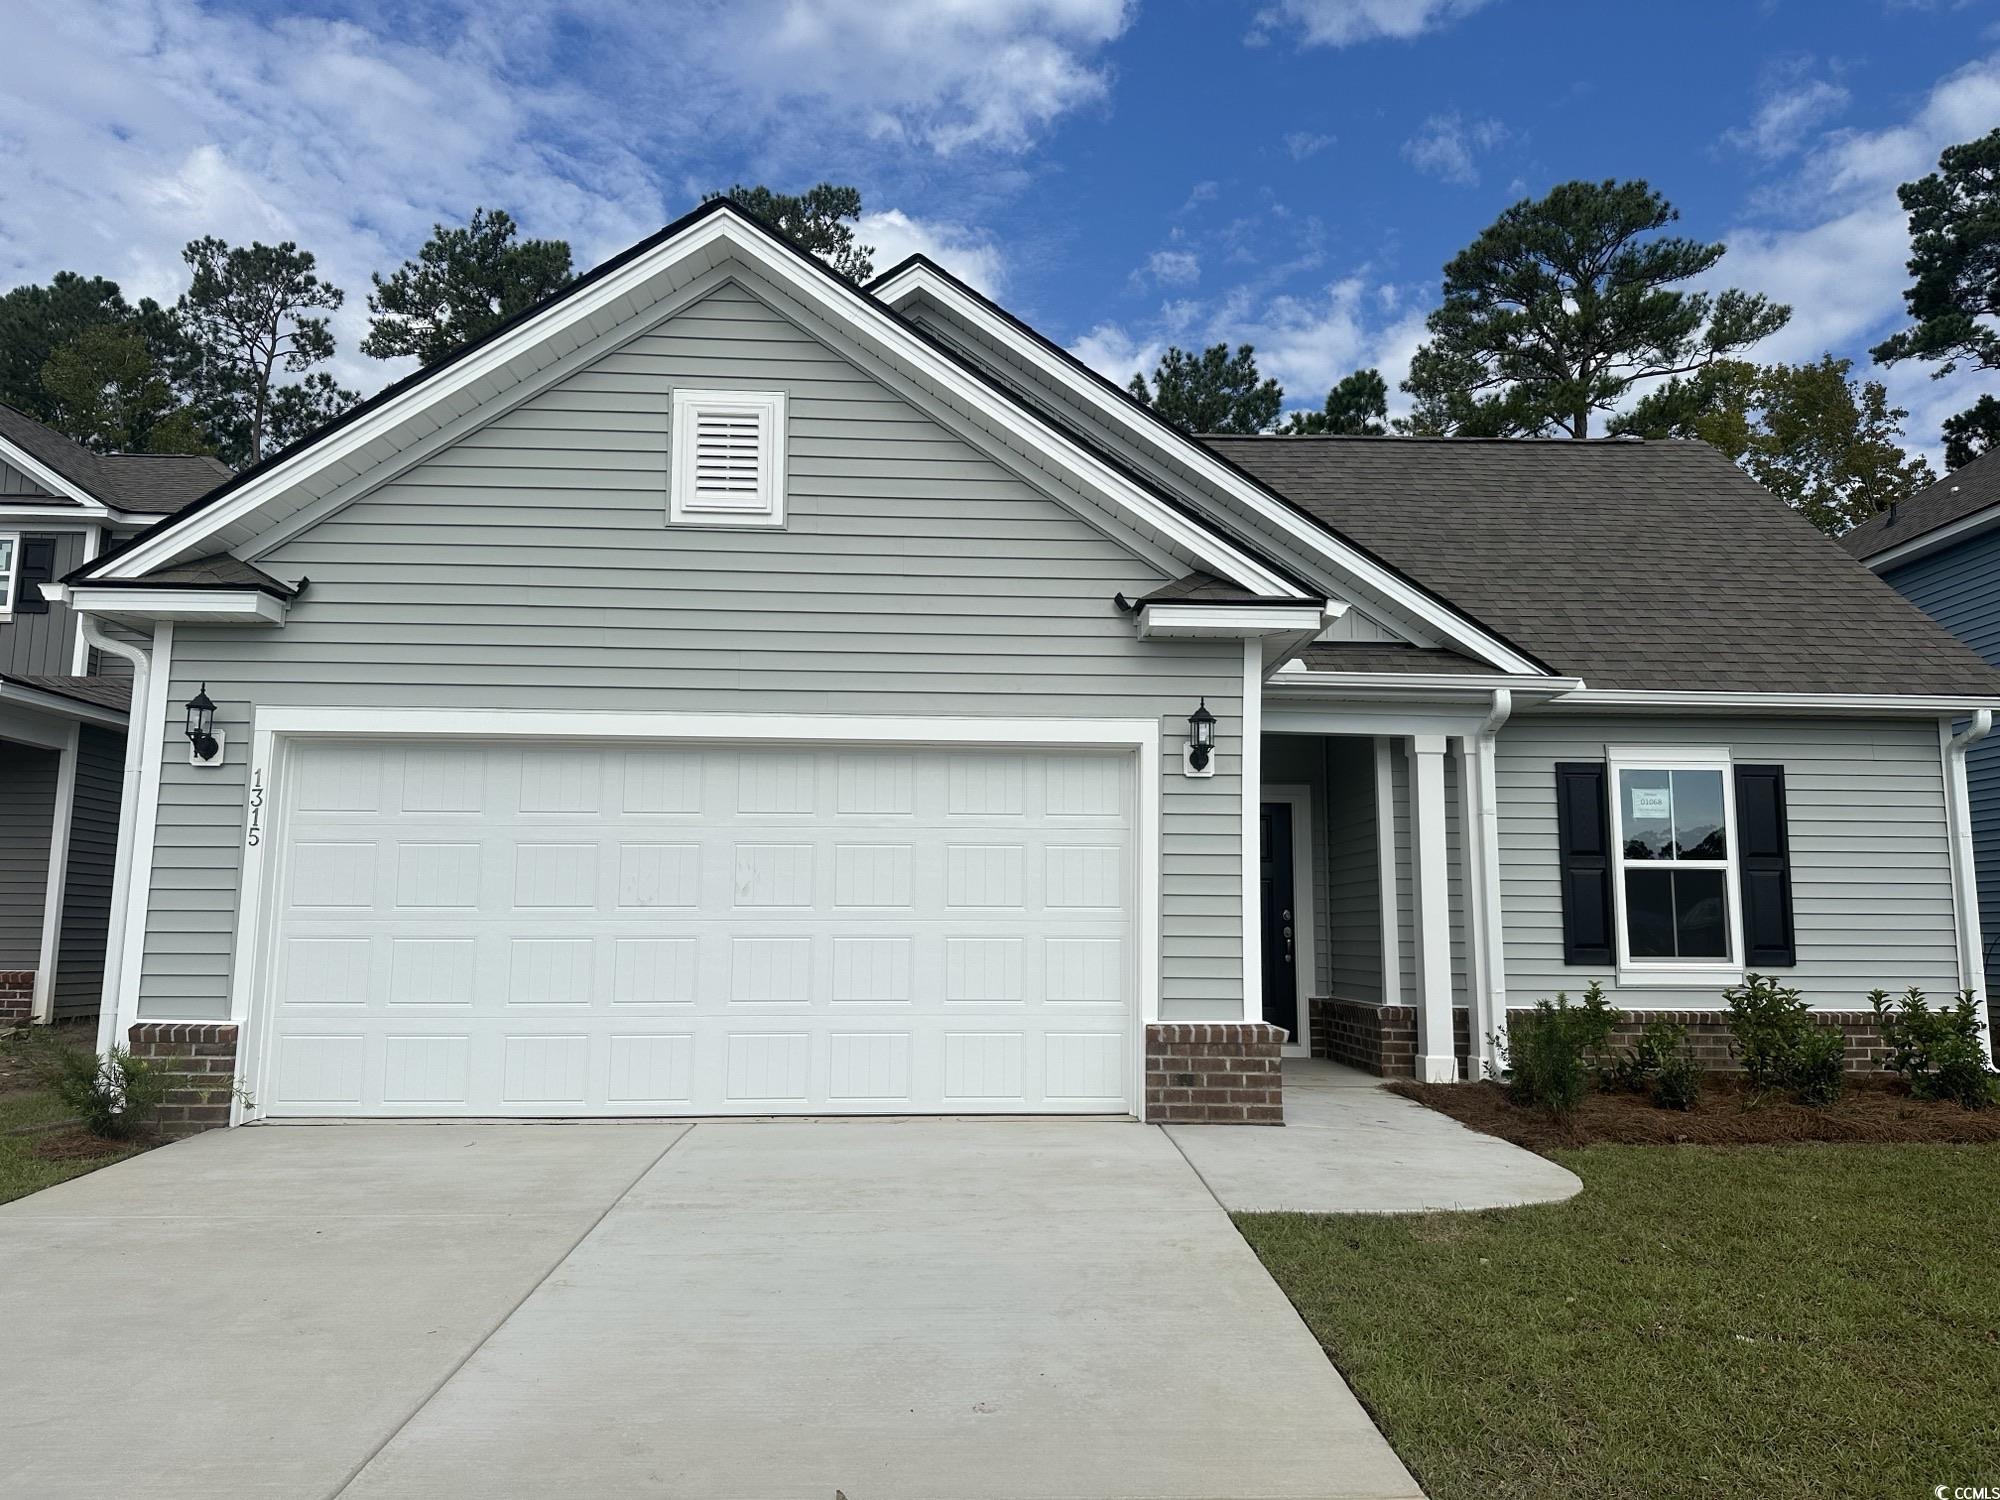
(1574, 310)
(236, 366)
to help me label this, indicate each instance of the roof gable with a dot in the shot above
(135, 484)
(1964, 501)
(613, 303)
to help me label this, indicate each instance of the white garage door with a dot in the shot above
(588, 930)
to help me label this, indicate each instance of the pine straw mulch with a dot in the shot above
(1877, 1110)
(73, 1143)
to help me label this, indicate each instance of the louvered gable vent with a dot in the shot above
(728, 458)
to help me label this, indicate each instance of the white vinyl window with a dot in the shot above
(1673, 822)
(10, 565)
(728, 459)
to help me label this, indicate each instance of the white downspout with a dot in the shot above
(128, 818)
(1491, 941)
(1964, 876)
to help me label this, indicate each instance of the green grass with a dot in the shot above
(22, 1171)
(1745, 1320)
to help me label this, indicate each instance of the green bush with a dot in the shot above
(1780, 1046)
(1659, 1064)
(1549, 1054)
(115, 1096)
(1936, 1051)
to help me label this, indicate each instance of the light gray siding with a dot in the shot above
(43, 643)
(1959, 587)
(1354, 902)
(1406, 915)
(93, 845)
(529, 566)
(1871, 872)
(27, 818)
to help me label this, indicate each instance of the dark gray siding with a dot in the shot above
(93, 845)
(27, 816)
(14, 482)
(1354, 877)
(43, 643)
(529, 566)
(1959, 587)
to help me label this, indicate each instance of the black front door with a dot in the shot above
(1281, 979)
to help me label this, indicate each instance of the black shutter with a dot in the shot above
(1583, 829)
(38, 566)
(1763, 855)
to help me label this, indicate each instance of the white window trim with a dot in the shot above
(10, 580)
(1687, 973)
(769, 408)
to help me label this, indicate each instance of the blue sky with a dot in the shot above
(1123, 173)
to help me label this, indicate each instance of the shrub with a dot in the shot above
(1780, 1046)
(115, 1095)
(1936, 1051)
(1548, 1053)
(1659, 1063)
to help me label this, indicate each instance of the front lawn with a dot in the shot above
(1774, 1320)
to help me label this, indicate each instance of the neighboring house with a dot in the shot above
(1941, 550)
(62, 708)
(723, 690)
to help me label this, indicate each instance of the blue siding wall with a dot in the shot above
(1960, 588)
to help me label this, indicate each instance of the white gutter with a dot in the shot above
(1964, 873)
(128, 817)
(1928, 705)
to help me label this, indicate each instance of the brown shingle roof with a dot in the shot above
(105, 692)
(149, 483)
(1961, 493)
(1649, 566)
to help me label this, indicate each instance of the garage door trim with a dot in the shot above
(275, 730)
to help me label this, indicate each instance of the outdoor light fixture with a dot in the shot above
(204, 744)
(1201, 741)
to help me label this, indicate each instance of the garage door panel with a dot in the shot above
(590, 930)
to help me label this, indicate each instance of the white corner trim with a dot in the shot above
(275, 730)
(58, 879)
(721, 233)
(148, 727)
(93, 543)
(1930, 541)
(236, 606)
(1964, 871)
(1252, 813)
(1341, 555)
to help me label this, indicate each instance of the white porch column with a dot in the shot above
(1430, 885)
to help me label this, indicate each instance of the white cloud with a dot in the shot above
(968, 254)
(1339, 23)
(1165, 268)
(1837, 259)
(1117, 354)
(1304, 143)
(131, 126)
(1448, 147)
(1792, 109)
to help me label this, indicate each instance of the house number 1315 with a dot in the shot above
(256, 834)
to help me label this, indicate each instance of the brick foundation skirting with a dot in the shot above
(203, 1054)
(17, 996)
(1382, 1039)
(1214, 1073)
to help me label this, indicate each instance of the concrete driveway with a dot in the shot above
(922, 1309)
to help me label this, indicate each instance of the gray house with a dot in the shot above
(723, 690)
(1941, 550)
(63, 708)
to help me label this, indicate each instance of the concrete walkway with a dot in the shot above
(921, 1309)
(1349, 1146)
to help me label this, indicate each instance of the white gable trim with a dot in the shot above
(1341, 556)
(35, 469)
(712, 236)
(1926, 542)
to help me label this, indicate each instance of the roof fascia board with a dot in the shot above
(915, 277)
(34, 468)
(716, 232)
(241, 606)
(1180, 621)
(1927, 705)
(1308, 684)
(1921, 545)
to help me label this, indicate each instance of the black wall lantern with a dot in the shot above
(1201, 737)
(201, 727)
